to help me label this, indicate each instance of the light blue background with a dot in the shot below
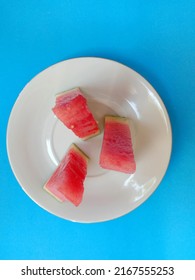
(155, 38)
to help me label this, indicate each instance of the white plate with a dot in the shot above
(36, 140)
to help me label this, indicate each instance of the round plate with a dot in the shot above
(37, 140)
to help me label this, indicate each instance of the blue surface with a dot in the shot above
(155, 38)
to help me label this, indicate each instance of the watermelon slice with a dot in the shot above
(71, 108)
(117, 151)
(67, 182)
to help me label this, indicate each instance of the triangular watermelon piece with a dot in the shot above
(117, 151)
(67, 182)
(71, 108)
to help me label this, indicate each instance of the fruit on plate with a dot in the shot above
(67, 181)
(71, 108)
(117, 151)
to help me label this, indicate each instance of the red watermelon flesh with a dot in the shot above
(67, 182)
(71, 108)
(117, 151)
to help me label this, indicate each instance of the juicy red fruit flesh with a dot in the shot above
(72, 110)
(67, 182)
(117, 151)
